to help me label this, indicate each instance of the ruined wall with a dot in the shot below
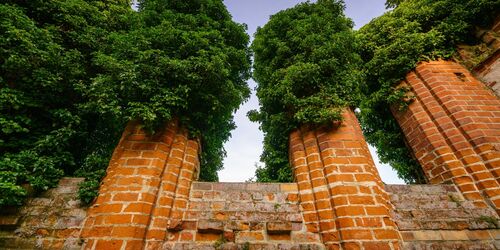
(340, 189)
(52, 220)
(453, 128)
(150, 199)
(261, 216)
(338, 202)
(439, 217)
(232, 215)
(145, 190)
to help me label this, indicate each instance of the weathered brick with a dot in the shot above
(210, 226)
(279, 227)
(251, 236)
(452, 112)
(109, 244)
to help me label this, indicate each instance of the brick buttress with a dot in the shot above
(453, 128)
(145, 191)
(342, 195)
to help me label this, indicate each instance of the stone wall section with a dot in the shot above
(52, 220)
(453, 129)
(260, 216)
(340, 189)
(439, 217)
(242, 216)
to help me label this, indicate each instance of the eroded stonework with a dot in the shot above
(50, 221)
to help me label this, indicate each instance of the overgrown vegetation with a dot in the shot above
(393, 44)
(306, 67)
(184, 59)
(46, 50)
(73, 72)
(306, 71)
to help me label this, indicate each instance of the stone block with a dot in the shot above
(433, 225)
(210, 226)
(495, 234)
(201, 186)
(305, 237)
(188, 225)
(427, 235)
(237, 225)
(408, 225)
(297, 226)
(174, 225)
(454, 235)
(407, 236)
(457, 224)
(256, 225)
(257, 196)
(289, 187)
(243, 236)
(478, 234)
(279, 227)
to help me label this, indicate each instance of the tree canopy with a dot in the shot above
(73, 72)
(45, 51)
(306, 67)
(182, 59)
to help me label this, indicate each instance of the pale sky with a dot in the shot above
(245, 145)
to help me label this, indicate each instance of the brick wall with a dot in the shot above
(149, 199)
(232, 215)
(52, 220)
(453, 128)
(340, 190)
(439, 217)
(145, 190)
(260, 216)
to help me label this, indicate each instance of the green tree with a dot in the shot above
(393, 44)
(180, 59)
(306, 67)
(45, 52)
(73, 72)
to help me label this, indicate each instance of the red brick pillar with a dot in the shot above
(453, 127)
(146, 177)
(340, 190)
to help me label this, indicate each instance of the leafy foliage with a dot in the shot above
(73, 72)
(392, 3)
(306, 67)
(393, 44)
(184, 59)
(45, 50)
